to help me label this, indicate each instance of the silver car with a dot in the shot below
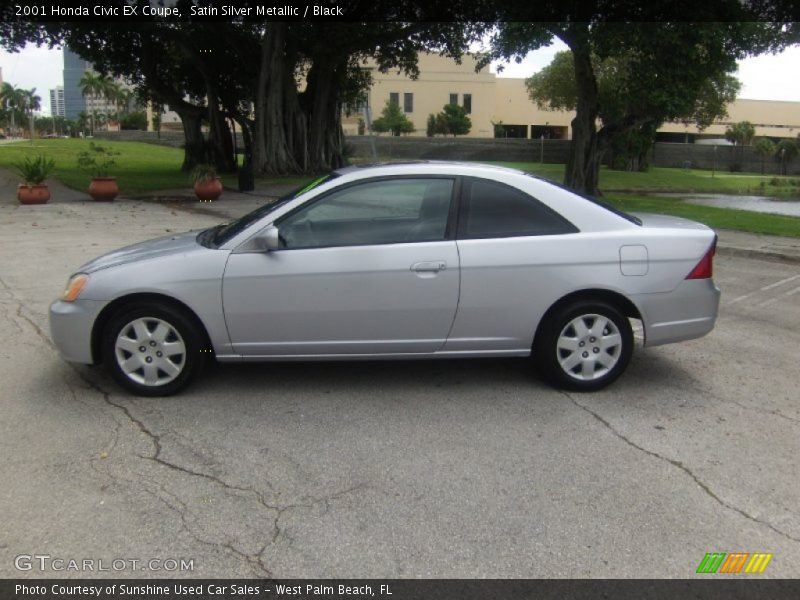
(397, 261)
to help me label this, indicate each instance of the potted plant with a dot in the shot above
(207, 185)
(34, 170)
(98, 162)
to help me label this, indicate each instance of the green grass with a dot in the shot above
(715, 217)
(143, 168)
(140, 167)
(660, 179)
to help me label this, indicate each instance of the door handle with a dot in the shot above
(432, 266)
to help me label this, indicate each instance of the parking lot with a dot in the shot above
(404, 469)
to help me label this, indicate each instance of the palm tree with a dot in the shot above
(83, 119)
(120, 96)
(31, 102)
(97, 86)
(13, 99)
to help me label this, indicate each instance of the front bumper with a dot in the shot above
(71, 326)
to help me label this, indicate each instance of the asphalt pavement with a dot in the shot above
(406, 469)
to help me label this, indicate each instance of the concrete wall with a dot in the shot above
(700, 156)
(461, 148)
(168, 138)
(695, 156)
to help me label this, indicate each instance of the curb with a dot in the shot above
(758, 254)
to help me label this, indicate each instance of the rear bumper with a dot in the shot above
(71, 326)
(687, 312)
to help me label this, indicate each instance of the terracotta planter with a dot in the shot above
(208, 189)
(104, 189)
(33, 194)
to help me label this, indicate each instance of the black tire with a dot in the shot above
(601, 358)
(180, 328)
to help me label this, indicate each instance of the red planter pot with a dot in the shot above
(208, 189)
(104, 189)
(33, 194)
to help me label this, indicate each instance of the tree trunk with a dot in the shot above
(273, 154)
(582, 172)
(194, 147)
(325, 137)
(220, 145)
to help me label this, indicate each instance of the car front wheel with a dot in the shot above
(152, 349)
(585, 346)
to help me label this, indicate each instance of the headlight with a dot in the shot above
(75, 284)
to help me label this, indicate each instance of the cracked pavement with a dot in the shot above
(407, 469)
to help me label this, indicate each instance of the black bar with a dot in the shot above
(704, 587)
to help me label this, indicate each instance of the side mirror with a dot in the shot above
(270, 239)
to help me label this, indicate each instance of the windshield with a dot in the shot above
(221, 234)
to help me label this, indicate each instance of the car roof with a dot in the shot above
(427, 166)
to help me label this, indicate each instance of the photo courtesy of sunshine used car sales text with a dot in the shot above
(194, 589)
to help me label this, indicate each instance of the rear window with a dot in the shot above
(493, 210)
(594, 200)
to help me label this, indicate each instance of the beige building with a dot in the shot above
(492, 100)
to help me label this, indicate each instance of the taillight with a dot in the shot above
(705, 267)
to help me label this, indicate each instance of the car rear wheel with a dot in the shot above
(153, 349)
(584, 346)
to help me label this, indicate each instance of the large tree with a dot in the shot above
(628, 124)
(287, 102)
(669, 62)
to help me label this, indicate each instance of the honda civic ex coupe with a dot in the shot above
(397, 261)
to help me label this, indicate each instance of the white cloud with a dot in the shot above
(33, 67)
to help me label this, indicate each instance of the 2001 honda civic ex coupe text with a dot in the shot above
(410, 260)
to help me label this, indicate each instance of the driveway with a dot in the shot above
(406, 469)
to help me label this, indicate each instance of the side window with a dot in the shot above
(492, 209)
(378, 212)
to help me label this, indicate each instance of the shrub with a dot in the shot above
(35, 169)
(203, 172)
(97, 160)
(135, 120)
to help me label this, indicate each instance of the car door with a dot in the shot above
(514, 263)
(369, 268)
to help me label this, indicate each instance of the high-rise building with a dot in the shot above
(74, 100)
(74, 68)
(57, 101)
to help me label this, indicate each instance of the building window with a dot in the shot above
(453, 98)
(408, 103)
(394, 98)
(468, 103)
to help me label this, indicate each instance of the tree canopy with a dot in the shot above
(287, 102)
(632, 120)
(452, 120)
(668, 63)
(741, 133)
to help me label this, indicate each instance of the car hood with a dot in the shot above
(171, 244)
